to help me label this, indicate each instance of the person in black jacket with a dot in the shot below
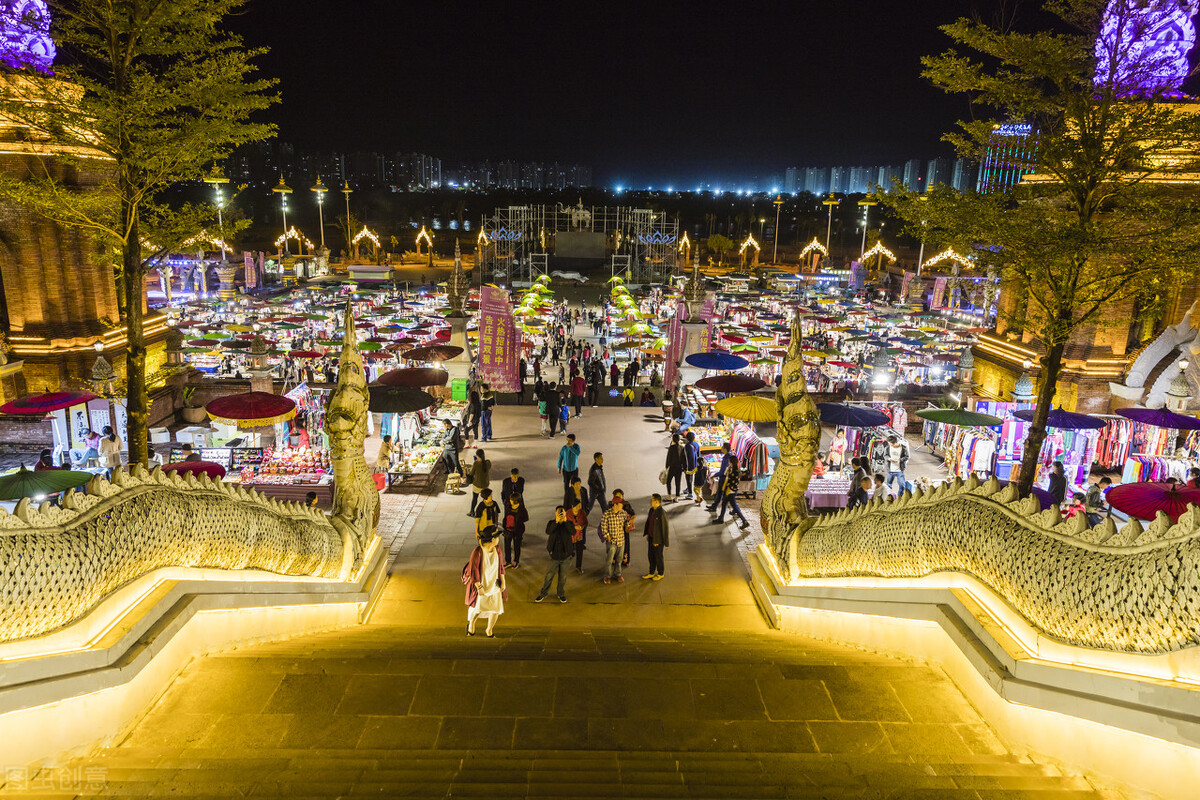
(559, 532)
(1058, 483)
(512, 522)
(597, 486)
(575, 493)
(674, 467)
(513, 484)
(553, 407)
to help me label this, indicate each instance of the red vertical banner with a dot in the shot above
(499, 343)
(674, 346)
(251, 273)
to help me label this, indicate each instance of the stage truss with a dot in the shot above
(516, 242)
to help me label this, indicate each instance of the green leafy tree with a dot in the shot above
(720, 245)
(1104, 228)
(150, 92)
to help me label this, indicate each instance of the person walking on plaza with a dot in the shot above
(474, 411)
(450, 447)
(674, 466)
(559, 533)
(487, 589)
(612, 532)
(728, 489)
(897, 461)
(568, 461)
(727, 458)
(597, 486)
(575, 493)
(513, 484)
(110, 450)
(487, 512)
(578, 517)
(480, 475)
(539, 395)
(578, 387)
(657, 539)
(553, 408)
(486, 403)
(691, 464)
(513, 524)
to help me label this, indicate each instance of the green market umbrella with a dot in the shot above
(960, 417)
(27, 483)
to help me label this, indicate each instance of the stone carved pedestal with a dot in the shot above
(226, 273)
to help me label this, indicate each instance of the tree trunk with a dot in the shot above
(1047, 381)
(137, 399)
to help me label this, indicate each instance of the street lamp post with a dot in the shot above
(347, 191)
(283, 190)
(831, 202)
(778, 201)
(320, 189)
(921, 252)
(217, 180)
(866, 204)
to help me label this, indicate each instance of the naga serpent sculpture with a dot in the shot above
(57, 563)
(1135, 589)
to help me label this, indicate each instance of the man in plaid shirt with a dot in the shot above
(612, 531)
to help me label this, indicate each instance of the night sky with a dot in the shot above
(647, 93)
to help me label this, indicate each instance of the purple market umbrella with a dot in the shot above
(1161, 418)
(851, 416)
(717, 360)
(1064, 420)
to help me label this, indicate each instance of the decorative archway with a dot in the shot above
(748, 243)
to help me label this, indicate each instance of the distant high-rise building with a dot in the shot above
(816, 180)
(963, 177)
(1011, 154)
(364, 169)
(791, 178)
(912, 174)
(938, 172)
(885, 175)
(859, 179)
(839, 177)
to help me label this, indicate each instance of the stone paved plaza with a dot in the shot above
(642, 689)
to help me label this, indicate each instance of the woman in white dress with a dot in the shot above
(483, 576)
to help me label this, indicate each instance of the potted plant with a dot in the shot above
(192, 412)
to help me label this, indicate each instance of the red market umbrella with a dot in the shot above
(45, 403)
(209, 468)
(1145, 500)
(443, 335)
(842, 364)
(415, 377)
(251, 409)
(443, 352)
(730, 384)
(304, 354)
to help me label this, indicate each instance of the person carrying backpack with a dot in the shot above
(728, 492)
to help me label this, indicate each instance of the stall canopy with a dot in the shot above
(1145, 500)
(414, 377)
(730, 384)
(851, 416)
(1161, 417)
(251, 409)
(45, 403)
(28, 483)
(209, 468)
(960, 417)
(748, 408)
(398, 399)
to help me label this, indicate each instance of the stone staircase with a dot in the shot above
(396, 711)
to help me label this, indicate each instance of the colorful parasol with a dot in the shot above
(1161, 417)
(1064, 420)
(730, 384)
(30, 483)
(441, 352)
(717, 360)
(251, 409)
(748, 408)
(414, 377)
(1145, 500)
(398, 399)
(959, 417)
(45, 403)
(210, 468)
(851, 416)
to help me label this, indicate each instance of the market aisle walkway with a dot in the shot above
(642, 689)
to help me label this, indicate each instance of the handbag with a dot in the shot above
(662, 477)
